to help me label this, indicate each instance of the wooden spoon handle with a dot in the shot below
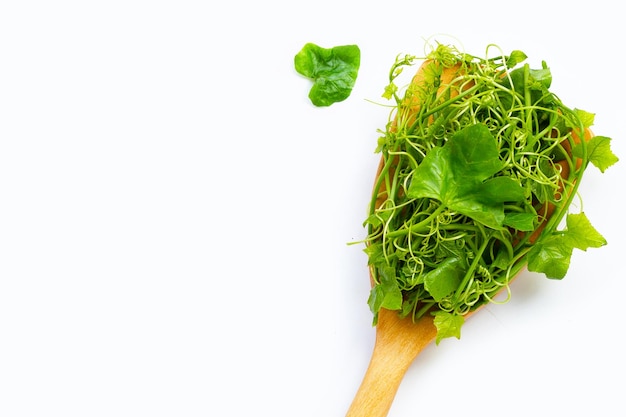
(397, 344)
(379, 386)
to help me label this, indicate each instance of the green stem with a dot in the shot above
(472, 268)
(421, 226)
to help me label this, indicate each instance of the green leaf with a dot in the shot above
(501, 189)
(537, 81)
(448, 325)
(502, 259)
(540, 79)
(445, 279)
(585, 117)
(599, 152)
(457, 174)
(515, 58)
(375, 254)
(333, 71)
(449, 249)
(551, 256)
(386, 294)
(390, 90)
(473, 152)
(581, 233)
(524, 222)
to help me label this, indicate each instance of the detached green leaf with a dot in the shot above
(599, 152)
(448, 325)
(458, 174)
(333, 71)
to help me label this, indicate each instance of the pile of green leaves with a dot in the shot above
(469, 170)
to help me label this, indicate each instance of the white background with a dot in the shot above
(174, 213)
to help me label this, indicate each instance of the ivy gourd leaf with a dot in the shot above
(449, 249)
(375, 254)
(524, 222)
(444, 279)
(538, 79)
(552, 255)
(599, 152)
(585, 117)
(458, 174)
(333, 71)
(581, 233)
(386, 294)
(515, 58)
(448, 325)
(500, 189)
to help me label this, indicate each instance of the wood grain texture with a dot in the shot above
(398, 342)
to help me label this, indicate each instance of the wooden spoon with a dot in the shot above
(399, 341)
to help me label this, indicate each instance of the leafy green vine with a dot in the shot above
(480, 163)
